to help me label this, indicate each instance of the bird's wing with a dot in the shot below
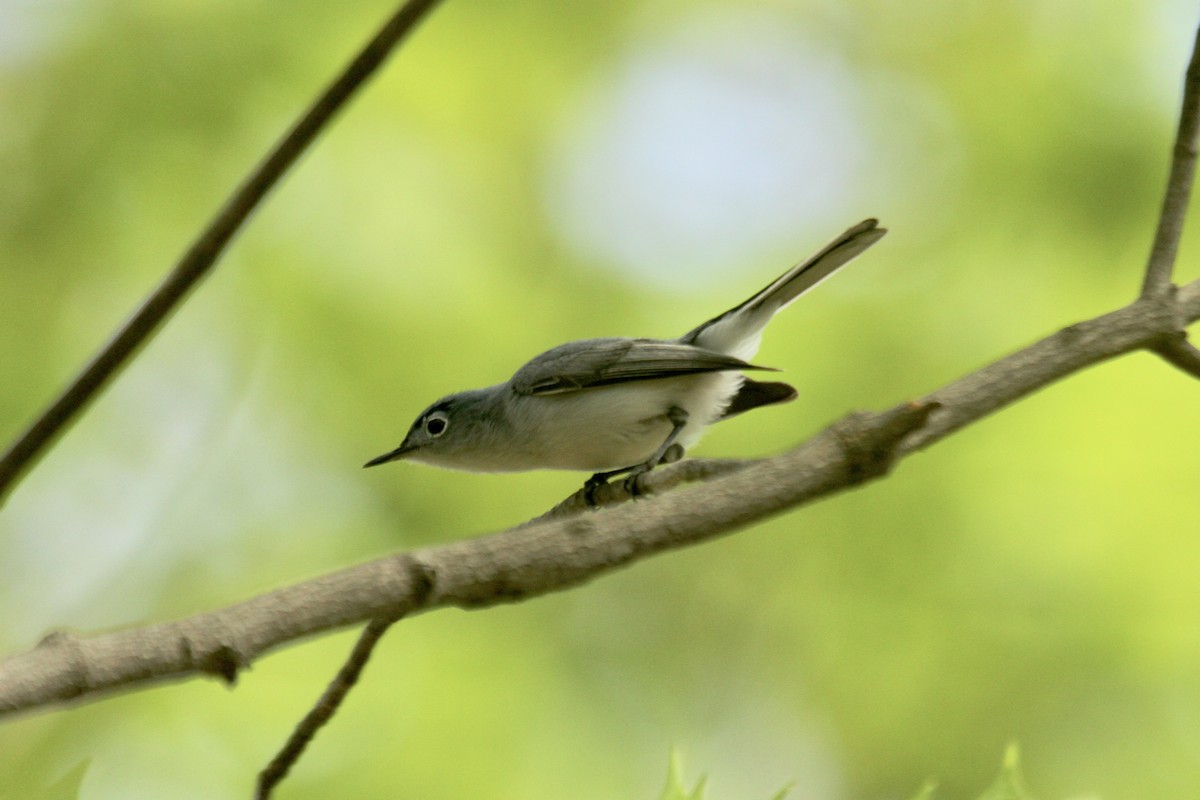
(602, 362)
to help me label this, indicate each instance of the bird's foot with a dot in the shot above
(632, 482)
(672, 454)
(591, 485)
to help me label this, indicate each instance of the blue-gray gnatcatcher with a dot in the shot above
(611, 406)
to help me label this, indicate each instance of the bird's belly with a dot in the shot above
(618, 426)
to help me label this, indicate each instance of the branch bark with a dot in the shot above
(569, 548)
(1182, 354)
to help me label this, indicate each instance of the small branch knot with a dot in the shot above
(424, 580)
(224, 663)
(863, 456)
(869, 441)
(57, 638)
(65, 641)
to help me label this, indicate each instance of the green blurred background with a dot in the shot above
(525, 173)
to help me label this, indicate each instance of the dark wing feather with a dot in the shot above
(752, 394)
(603, 362)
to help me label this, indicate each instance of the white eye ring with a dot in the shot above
(436, 423)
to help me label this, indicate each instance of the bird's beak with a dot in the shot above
(398, 453)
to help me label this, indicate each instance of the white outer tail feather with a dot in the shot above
(738, 331)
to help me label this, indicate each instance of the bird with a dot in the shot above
(620, 406)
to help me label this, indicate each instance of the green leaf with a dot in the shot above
(926, 791)
(1009, 784)
(782, 793)
(675, 789)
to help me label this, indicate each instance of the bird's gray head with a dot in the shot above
(456, 432)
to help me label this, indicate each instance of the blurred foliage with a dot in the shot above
(1008, 785)
(524, 173)
(677, 790)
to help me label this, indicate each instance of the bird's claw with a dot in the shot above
(633, 481)
(589, 489)
(672, 454)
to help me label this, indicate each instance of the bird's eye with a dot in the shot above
(436, 424)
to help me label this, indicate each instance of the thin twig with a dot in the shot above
(1179, 184)
(205, 250)
(1182, 354)
(325, 708)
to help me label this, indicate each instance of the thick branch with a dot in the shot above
(504, 567)
(548, 556)
(200, 258)
(1142, 324)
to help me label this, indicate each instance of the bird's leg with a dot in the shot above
(669, 452)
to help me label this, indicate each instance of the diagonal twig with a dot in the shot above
(1179, 184)
(1182, 354)
(325, 708)
(203, 253)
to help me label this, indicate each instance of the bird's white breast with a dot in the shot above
(611, 427)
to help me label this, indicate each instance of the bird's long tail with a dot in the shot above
(738, 330)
